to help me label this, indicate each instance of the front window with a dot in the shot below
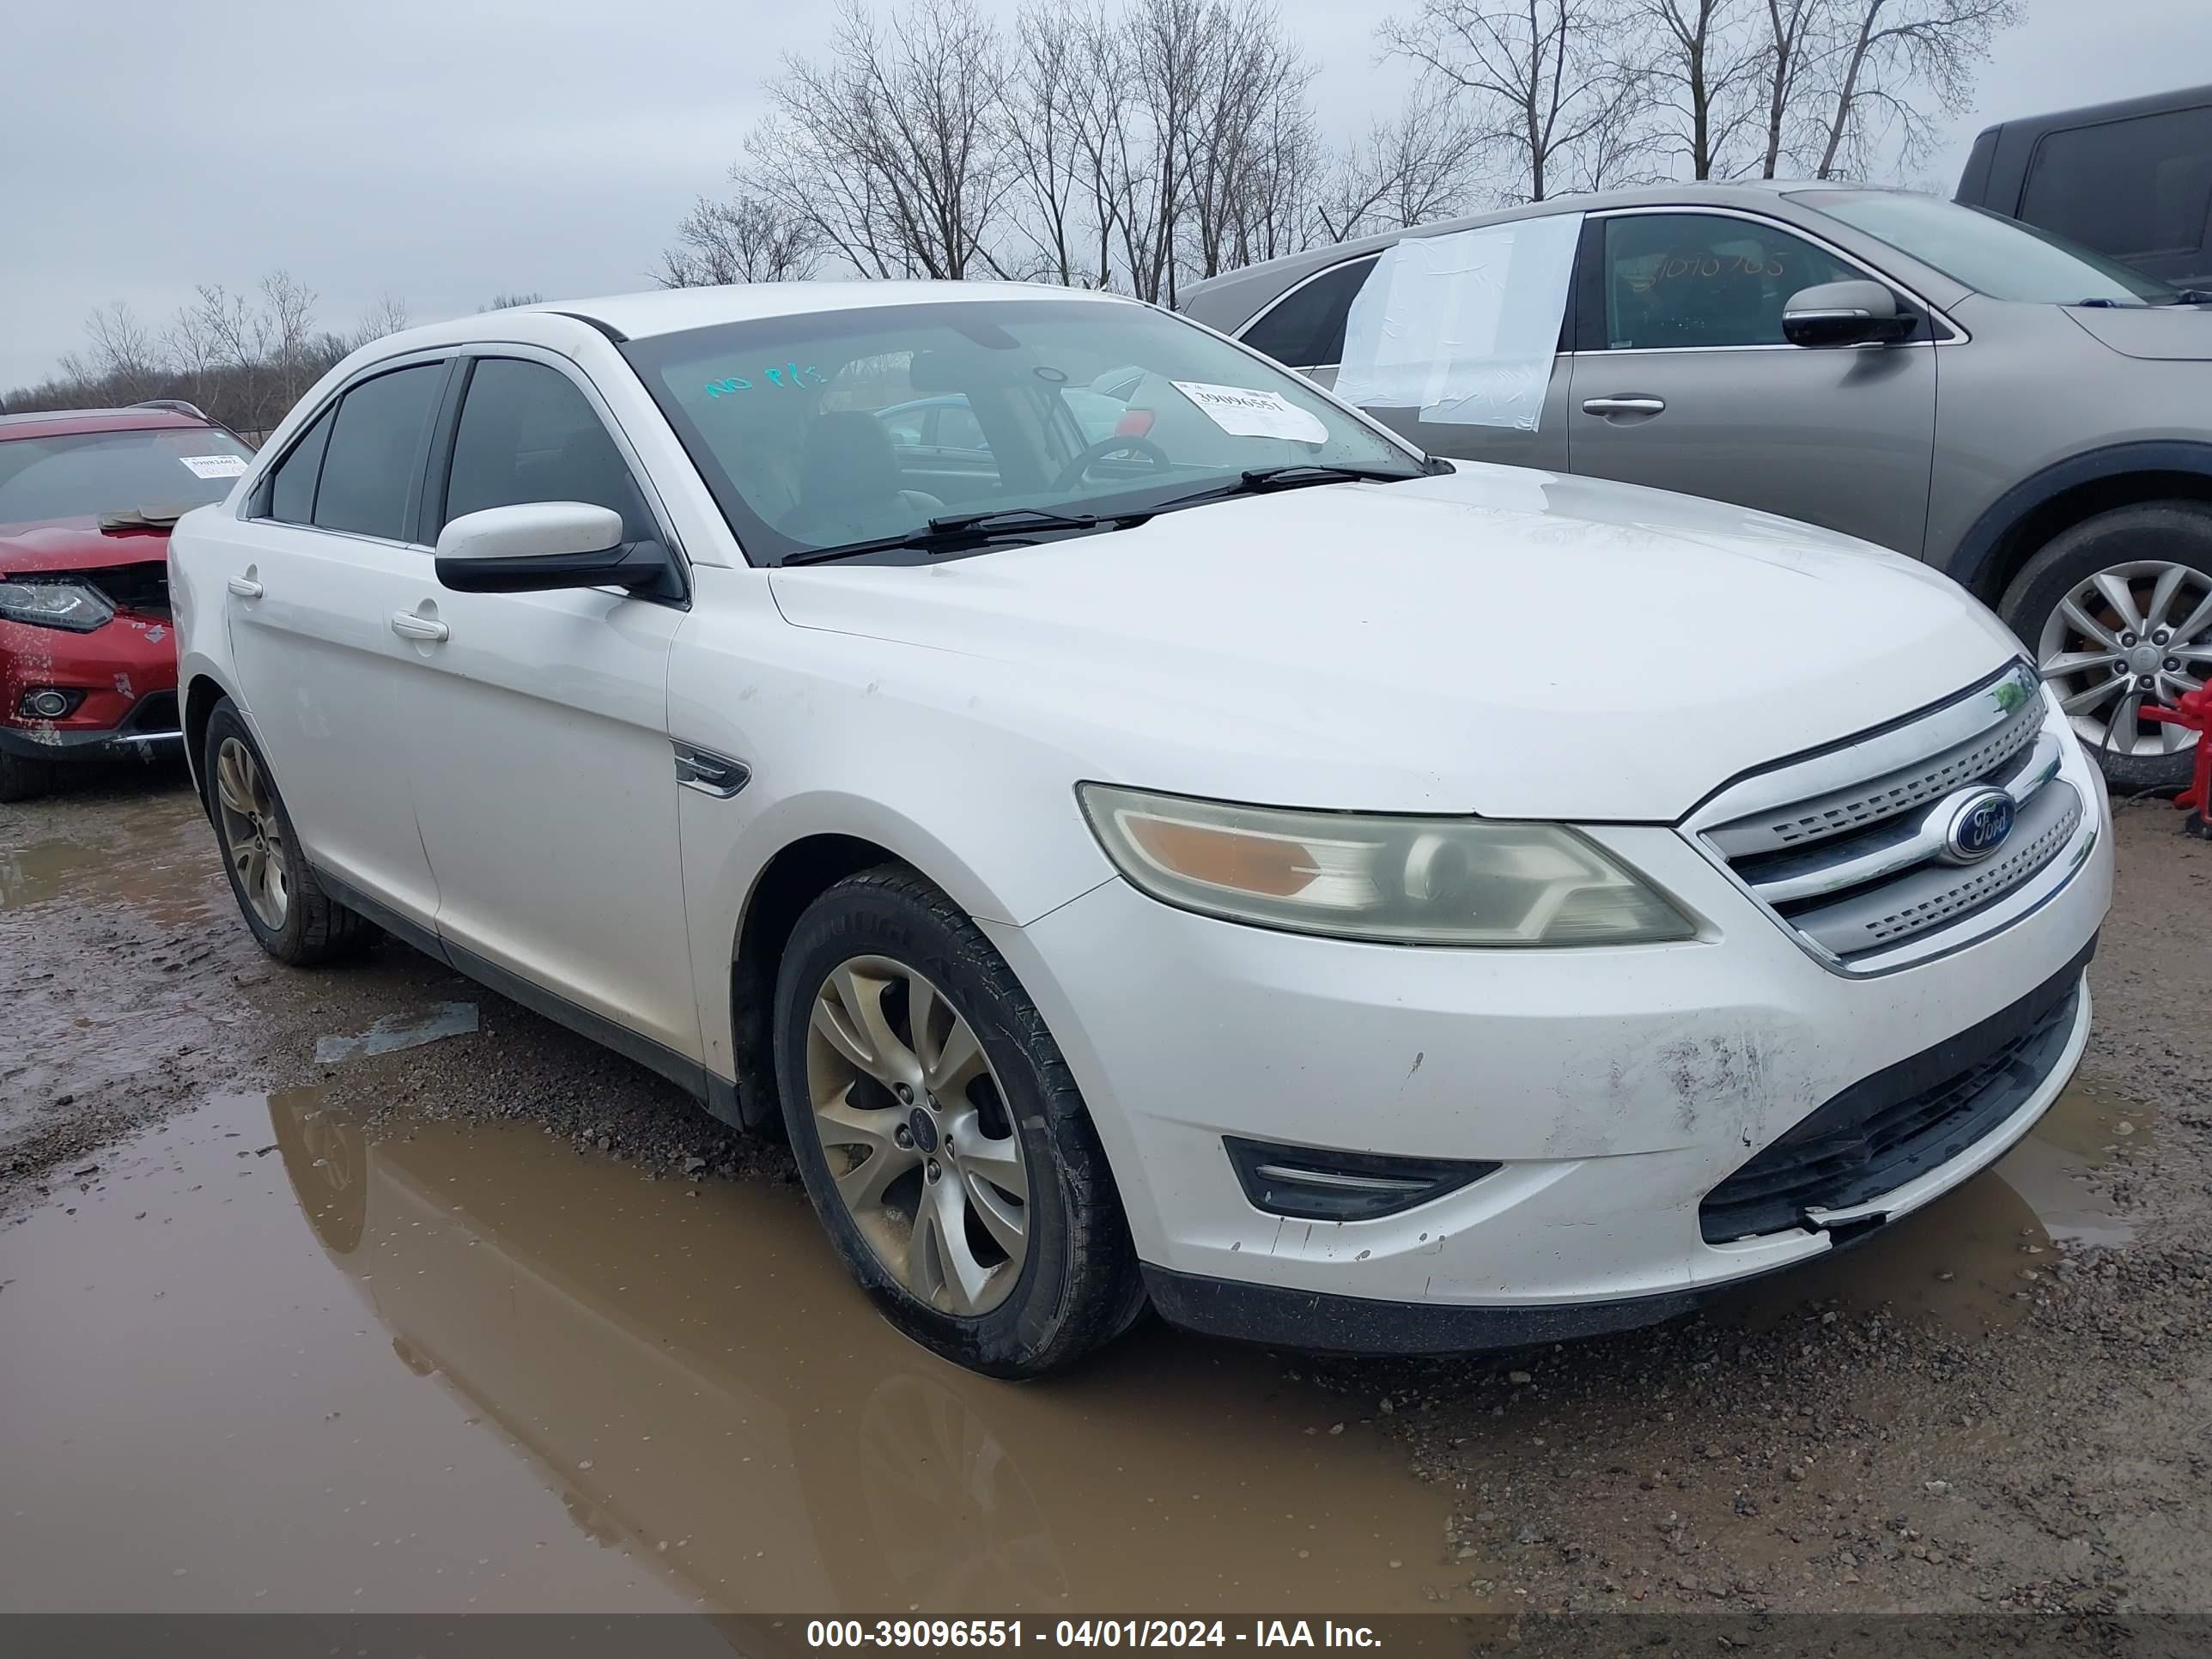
(95, 475)
(828, 429)
(1683, 280)
(1987, 252)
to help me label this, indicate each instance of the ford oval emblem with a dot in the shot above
(1978, 825)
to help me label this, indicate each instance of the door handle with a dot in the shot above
(409, 626)
(1627, 403)
(245, 586)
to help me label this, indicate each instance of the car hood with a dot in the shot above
(76, 545)
(2164, 333)
(1499, 641)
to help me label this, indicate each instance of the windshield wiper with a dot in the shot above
(1264, 480)
(952, 530)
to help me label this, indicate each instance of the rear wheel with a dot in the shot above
(22, 778)
(2119, 613)
(940, 1136)
(294, 919)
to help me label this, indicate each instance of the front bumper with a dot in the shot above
(1619, 1088)
(126, 671)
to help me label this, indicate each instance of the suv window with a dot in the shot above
(1695, 279)
(2126, 187)
(959, 428)
(527, 433)
(292, 485)
(373, 463)
(1306, 329)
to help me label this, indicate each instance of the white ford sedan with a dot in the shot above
(1234, 862)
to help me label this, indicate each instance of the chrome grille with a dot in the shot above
(1851, 848)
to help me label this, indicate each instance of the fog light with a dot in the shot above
(47, 702)
(1314, 1183)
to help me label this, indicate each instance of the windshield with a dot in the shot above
(1987, 252)
(91, 474)
(835, 428)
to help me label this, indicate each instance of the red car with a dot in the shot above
(88, 659)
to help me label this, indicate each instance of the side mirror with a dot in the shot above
(1857, 312)
(537, 545)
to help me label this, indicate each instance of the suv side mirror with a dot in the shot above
(536, 545)
(1857, 312)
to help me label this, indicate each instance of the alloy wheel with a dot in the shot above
(253, 833)
(2135, 634)
(916, 1127)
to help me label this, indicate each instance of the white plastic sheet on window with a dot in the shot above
(1462, 327)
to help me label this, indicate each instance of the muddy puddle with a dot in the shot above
(140, 852)
(1972, 1260)
(265, 1363)
(108, 937)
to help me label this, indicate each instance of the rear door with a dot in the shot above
(325, 559)
(545, 785)
(1303, 330)
(1682, 378)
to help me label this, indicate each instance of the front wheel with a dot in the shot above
(2119, 613)
(940, 1136)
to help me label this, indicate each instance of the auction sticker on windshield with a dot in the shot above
(215, 466)
(1249, 414)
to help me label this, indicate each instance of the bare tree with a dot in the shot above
(1703, 61)
(1536, 73)
(1048, 114)
(1885, 60)
(122, 352)
(387, 316)
(748, 238)
(885, 148)
(1407, 170)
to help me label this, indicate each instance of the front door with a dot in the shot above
(1682, 379)
(545, 784)
(324, 559)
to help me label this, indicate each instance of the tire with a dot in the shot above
(890, 940)
(287, 910)
(22, 778)
(2136, 549)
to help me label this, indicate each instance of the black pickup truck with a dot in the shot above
(2131, 179)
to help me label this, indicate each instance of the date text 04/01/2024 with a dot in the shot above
(938, 1633)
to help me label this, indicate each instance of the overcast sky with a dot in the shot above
(446, 150)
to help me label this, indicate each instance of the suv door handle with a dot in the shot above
(1626, 403)
(245, 586)
(409, 626)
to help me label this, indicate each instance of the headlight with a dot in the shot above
(1410, 880)
(53, 602)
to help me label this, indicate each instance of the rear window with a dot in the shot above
(2127, 188)
(93, 474)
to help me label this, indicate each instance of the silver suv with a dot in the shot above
(2025, 414)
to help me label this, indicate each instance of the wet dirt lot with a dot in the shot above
(366, 1289)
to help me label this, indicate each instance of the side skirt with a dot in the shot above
(718, 1095)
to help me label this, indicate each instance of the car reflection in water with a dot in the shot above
(688, 1367)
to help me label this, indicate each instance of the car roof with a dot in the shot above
(50, 422)
(1753, 194)
(675, 310)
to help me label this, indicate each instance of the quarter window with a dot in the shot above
(292, 486)
(1306, 329)
(527, 433)
(373, 465)
(1688, 280)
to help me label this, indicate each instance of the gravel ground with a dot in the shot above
(1987, 1408)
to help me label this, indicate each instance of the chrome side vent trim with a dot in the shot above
(708, 772)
